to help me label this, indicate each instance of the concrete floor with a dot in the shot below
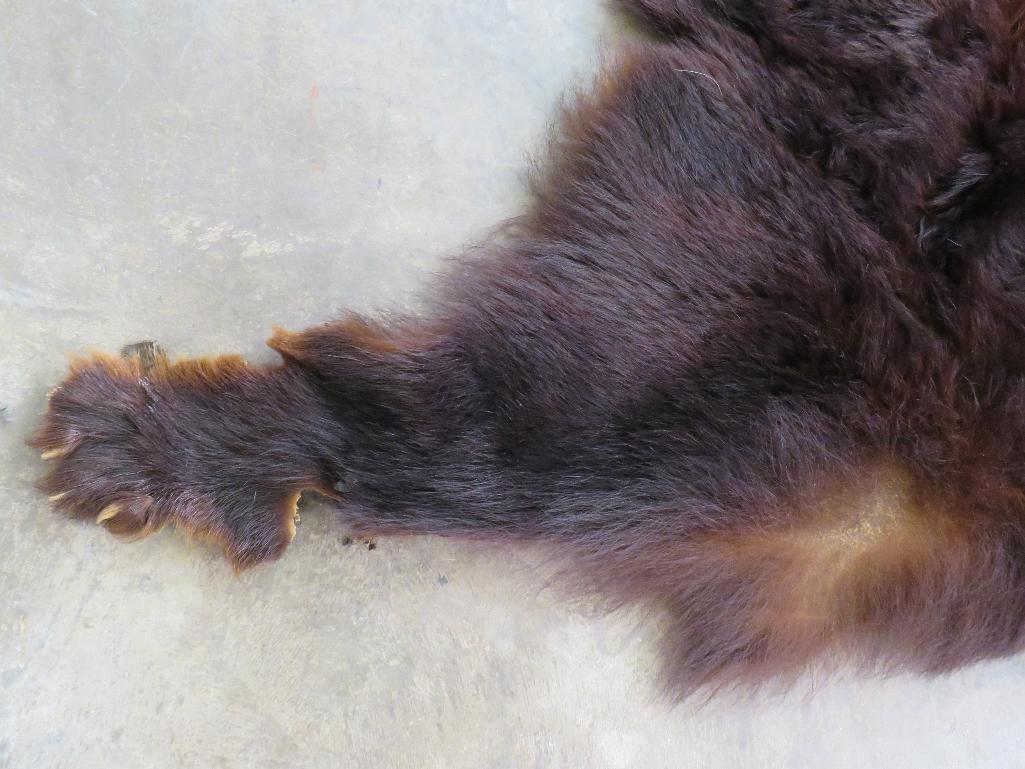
(197, 171)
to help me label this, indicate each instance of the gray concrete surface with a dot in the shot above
(197, 171)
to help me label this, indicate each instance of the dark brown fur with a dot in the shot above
(755, 356)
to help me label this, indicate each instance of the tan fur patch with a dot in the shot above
(847, 551)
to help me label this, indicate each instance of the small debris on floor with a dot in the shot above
(370, 542)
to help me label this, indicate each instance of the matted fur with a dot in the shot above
(754, 356)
